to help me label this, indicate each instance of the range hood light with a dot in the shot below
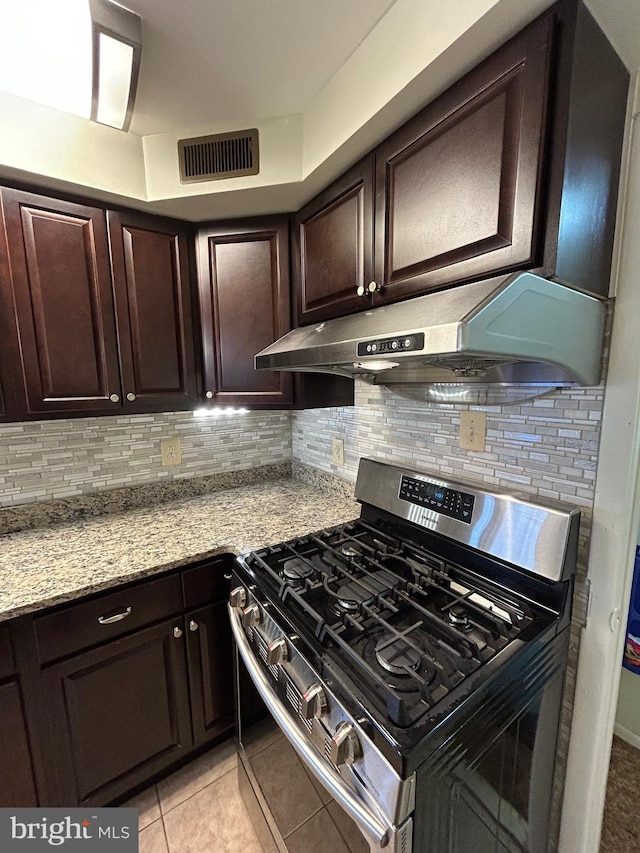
(375, 366)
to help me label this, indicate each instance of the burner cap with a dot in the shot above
(397, 656)
(296, 569)
(458, 616)
(351, 549)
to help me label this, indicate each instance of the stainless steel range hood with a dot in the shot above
(518, 328)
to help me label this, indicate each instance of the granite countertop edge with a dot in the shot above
(59, 563)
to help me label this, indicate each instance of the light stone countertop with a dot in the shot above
(50, 565)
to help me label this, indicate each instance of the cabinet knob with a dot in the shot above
(193, 625)
(360, 291)
(208, 394)
(177, 632)
(374, 287)
(114, 398)
(131, 397)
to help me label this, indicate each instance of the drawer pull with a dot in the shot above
(117, 617)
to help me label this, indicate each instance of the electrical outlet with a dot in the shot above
(170, 451)
(337, 451)
(473, 431)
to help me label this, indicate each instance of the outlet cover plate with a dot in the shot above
(170, 451)
(337, 451)
(473, 431)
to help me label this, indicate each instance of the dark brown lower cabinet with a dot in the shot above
(118, 713)
(17, 783)
(209, 650)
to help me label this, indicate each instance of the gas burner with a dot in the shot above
(459, 618)
(352, 549)
(296, 569)
(397, 656)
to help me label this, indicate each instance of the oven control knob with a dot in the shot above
(277, 652)
(314, 703)
(238, 597)
(345, 745)
(250, 616)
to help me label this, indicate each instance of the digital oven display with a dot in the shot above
(451, 502)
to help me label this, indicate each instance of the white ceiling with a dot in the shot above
(216, 61)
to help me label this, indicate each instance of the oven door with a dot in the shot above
(297, 800)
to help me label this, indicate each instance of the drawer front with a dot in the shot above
(106, 617)
(7, 663)
(207, 582)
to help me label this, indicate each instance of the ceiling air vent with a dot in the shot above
(225, 155)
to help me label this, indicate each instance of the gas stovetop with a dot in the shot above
(408, 612)
(407, 625)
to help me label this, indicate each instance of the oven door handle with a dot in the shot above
(368, 823)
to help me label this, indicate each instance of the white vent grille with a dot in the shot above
(225, 155)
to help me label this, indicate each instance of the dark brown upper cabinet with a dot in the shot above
(333, 247)
(93, 320)
(457, 187)
(150, 261)
(58, 305)
(516, 166)
(243, 284)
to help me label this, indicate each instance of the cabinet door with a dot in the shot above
(458, 187)
(17, 781)
(210, 671)
(60, 290)
(243, 281)
(118, 713)
(150, 257)
(334, 247)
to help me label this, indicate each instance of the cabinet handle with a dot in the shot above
(193, 625)
(374, 287)
(208, 394)
(116, 617)
(131, 397)
(177, 632)
(227, 577)
(360, 291)
(114, 398)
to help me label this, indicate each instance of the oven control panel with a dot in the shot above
(451, 502)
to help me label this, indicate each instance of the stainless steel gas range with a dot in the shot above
(414, 659)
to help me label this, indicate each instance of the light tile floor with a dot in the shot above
(198, 809)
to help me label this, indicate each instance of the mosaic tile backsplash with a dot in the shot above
(47, 460)
(547, 447)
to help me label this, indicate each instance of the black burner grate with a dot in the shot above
(356, 589)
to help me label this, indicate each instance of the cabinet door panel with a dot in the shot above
(63, 302)
(458, 187)
(334, 247)
(244, 296)
(153, 301)
(119, 713)
(210, 671)
(17, 783)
